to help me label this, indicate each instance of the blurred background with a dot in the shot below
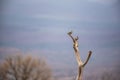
(39, 28)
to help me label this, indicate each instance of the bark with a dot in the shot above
(81, 64)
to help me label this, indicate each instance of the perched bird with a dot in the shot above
(69, 33)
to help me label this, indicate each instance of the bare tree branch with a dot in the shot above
(89, 55)
(24, 68)
(77, 55)
(75, 46)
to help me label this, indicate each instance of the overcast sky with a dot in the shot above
(39, 27)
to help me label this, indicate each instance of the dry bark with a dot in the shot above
(81, 64)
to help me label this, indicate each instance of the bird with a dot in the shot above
(69, 33)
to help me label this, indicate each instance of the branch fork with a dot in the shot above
(80, 63)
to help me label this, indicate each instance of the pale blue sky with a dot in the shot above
(40, 27)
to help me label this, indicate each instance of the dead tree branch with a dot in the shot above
(77, 55)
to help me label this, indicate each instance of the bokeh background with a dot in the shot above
(39, 28)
